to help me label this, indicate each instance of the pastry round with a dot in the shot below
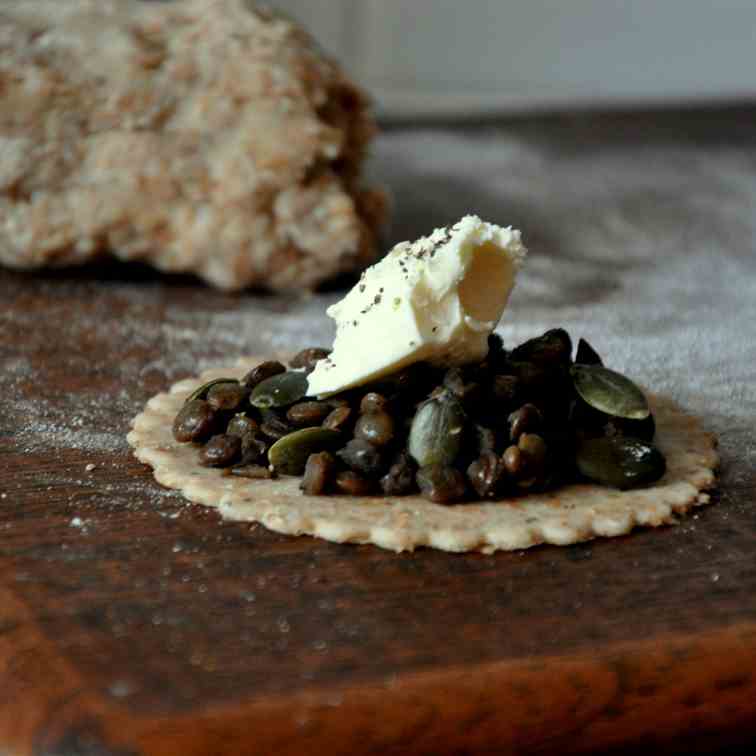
(566, 515)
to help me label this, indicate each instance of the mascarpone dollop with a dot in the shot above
(436, 299)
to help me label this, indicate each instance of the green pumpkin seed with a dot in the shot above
(552, 348)
(201, 392)
(289, 454)
(279, 390)
(621, 426)
(435, 437)
(609, 392)
(621, 462)
(586, 354)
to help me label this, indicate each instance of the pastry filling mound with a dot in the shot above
(531, 418)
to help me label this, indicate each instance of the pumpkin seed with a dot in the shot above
(279, 390)
(552, 348)
(201, 391)
(586, 354)
(609, 392)
(621, 426)
(435, 437)
(621, 462)
(289, 454)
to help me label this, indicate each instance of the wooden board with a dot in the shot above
(131, 623)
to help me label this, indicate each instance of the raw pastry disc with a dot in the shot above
(563, 516)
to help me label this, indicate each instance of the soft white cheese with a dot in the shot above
(436, 300)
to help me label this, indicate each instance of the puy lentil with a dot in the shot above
(262, 372)
(338, 419)
(505, 389)
(307, 414)
(486, 438)
(196, 422)
(240, 425)
(202, 391)
(460, 385)
(273, 425)
(485, 474)
(442, 484)
(254, 448)
(318, 474)
(375, 427)
(308, 357)
(353, 484)
(221, 451)
(229, 397)
(534, 448)
(526, 419)
(362, 457)
(400, 478)
(514, 462)
(373, 402)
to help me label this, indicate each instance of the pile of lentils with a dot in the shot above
(524, 420)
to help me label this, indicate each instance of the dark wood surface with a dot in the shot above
(131, 623)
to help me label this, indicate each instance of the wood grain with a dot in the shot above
(133, 624)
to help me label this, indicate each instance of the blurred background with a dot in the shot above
(449, 58)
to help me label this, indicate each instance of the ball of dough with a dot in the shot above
(201, 136)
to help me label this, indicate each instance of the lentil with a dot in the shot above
(262, 372)
(227, 396)
(196, 422)
(351, 483)
(442, 484)
(318, 473)
(308, 357)
(307, 413)
(221, 451)
(361, 456)
(375, 427)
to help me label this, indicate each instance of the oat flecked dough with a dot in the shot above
(200, 136)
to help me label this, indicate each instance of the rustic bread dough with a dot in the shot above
(200, 136)
(567, 515)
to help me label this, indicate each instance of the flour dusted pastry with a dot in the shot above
(201, 136)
